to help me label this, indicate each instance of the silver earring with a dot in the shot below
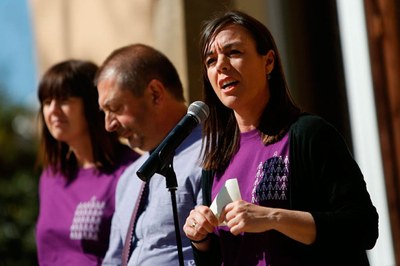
(269, 76)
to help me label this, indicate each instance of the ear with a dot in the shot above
(270, 62)
(156, 91)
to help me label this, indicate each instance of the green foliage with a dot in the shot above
(18, 185)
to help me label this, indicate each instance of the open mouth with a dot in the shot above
(228, 84)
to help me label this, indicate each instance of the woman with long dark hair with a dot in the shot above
(303, 197)
(81, 164)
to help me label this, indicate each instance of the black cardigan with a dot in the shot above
(327, 182)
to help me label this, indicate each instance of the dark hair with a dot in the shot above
(221, 132)
(74, 78)
(136, 65)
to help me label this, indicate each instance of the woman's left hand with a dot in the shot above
(241, 216)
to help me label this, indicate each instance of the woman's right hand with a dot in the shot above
(200, 222)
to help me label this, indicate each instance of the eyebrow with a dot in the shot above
(106, 105)
(225, 47)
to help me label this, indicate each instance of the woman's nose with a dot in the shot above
(222, 63)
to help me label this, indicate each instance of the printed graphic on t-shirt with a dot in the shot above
(87, 219)
(271, 182)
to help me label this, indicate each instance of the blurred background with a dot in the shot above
(341, 58)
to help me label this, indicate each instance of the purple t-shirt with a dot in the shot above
(262, 173)
(74, 221)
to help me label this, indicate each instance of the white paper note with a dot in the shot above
(229, 192)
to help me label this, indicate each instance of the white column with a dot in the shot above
(363, 119)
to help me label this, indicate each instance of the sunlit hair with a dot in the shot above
(74, 78)
(134, 66)
(221, 132)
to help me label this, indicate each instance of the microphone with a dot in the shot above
(163, 154)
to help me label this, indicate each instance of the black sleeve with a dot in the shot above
(336, 191)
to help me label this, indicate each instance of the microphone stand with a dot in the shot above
(172, 185)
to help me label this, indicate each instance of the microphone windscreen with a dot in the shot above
(199, 110)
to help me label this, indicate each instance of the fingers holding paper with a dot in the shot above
(200, 222)
(241, 216)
